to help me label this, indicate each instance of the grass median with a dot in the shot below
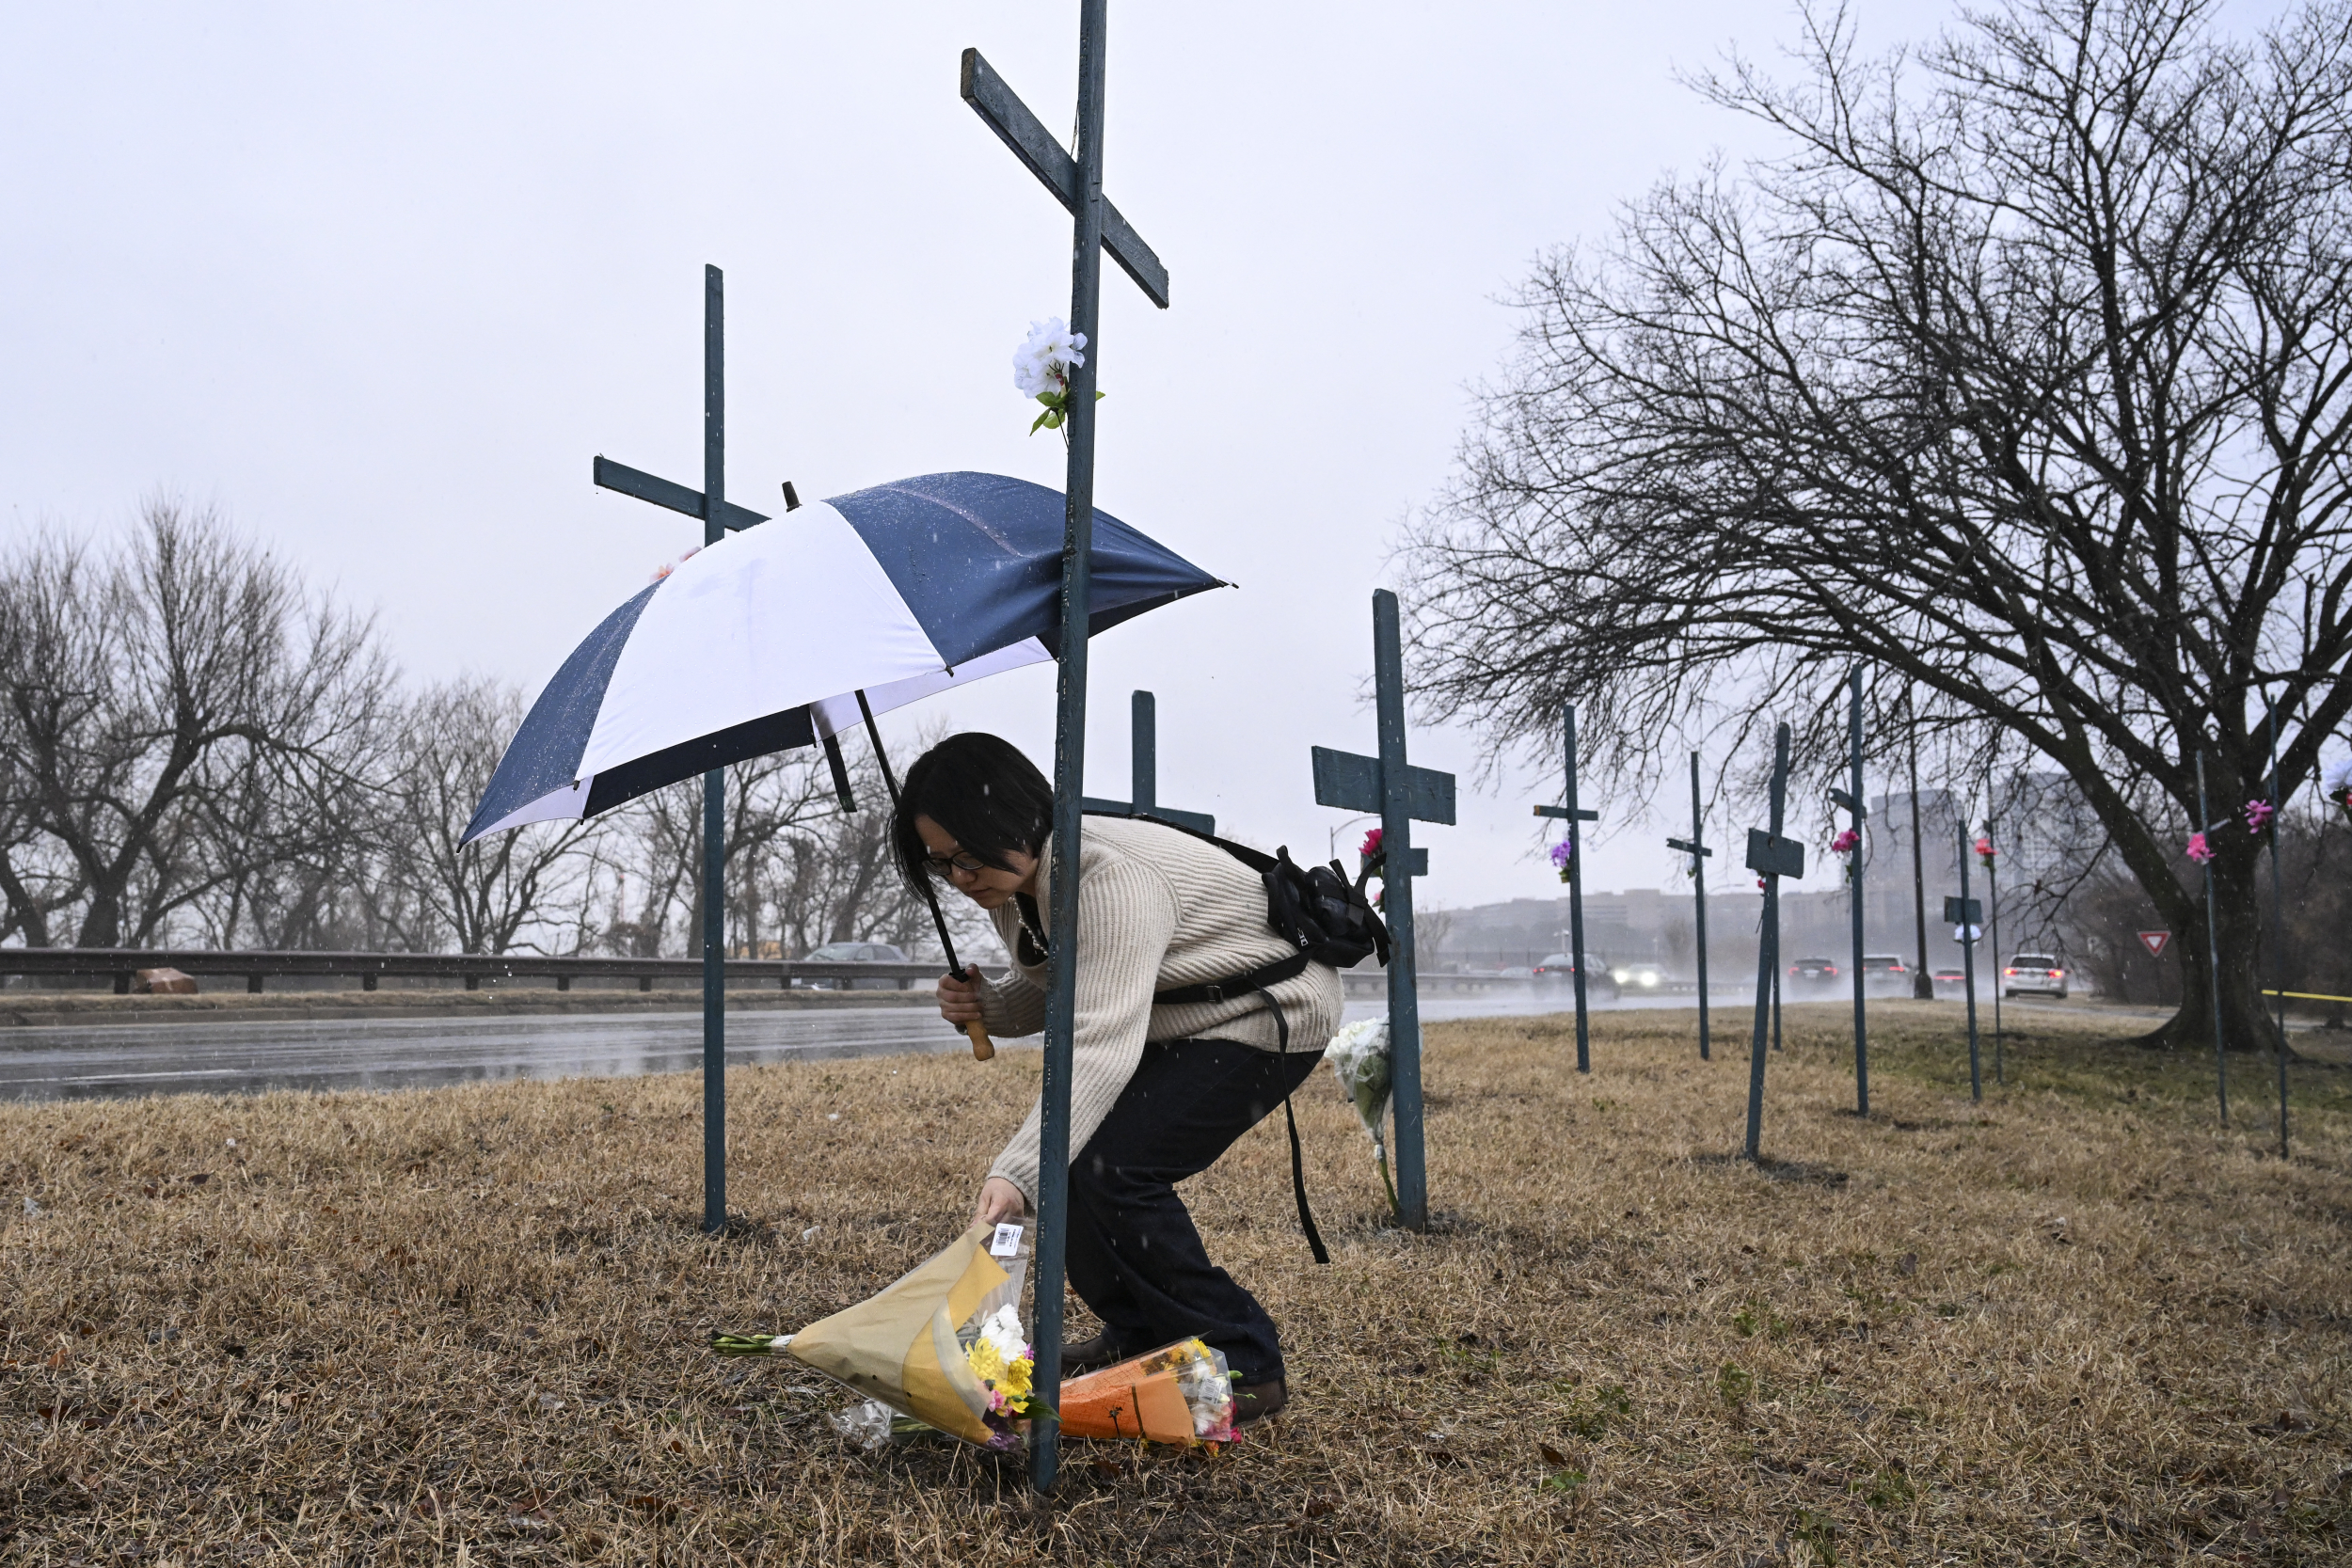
(2079, 1322)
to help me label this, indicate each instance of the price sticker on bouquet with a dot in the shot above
(1006, 1243)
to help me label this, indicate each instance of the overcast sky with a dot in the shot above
(378, 280)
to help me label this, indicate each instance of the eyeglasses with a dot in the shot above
(940, 865)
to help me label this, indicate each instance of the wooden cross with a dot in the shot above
(719, 516)
(1770, 857)
(1851, 799)
(1076, 179)
(1572, 814)
(1143, 775)
(1402, 794)
(1696, 847)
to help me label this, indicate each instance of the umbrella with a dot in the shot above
(777, 636)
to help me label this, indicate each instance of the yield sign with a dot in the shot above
(2153, 942)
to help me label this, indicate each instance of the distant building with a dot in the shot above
(2045, 829)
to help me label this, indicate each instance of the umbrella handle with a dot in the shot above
(983, 1049)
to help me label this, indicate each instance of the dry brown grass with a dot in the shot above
(2077, 1323)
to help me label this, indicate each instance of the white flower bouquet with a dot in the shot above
(1358, 1054)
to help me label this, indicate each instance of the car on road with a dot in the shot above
(1812, 974)
(1559, 969)
(1885, 974)
(1639, 976)
(2033, 975)
(1951, 982)
(852, 952)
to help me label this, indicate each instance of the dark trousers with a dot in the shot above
(1133, 1255)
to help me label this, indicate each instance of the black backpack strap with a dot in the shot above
(1240, 985)
(1298, 1168)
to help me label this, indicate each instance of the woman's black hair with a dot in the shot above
(987, 795)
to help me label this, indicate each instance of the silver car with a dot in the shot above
(2033, 975)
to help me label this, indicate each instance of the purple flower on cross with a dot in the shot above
(2257, 815)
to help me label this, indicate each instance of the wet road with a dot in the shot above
(84, 1062)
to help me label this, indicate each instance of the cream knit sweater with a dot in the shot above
(1158, 908)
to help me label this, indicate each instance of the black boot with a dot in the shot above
(1081, 1355)
(1255, 1402)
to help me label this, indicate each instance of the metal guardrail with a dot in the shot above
(122, 963)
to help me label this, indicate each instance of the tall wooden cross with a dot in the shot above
(1572, 814)
(1697, 849)
(719, 516)
(1402, 794)
(1770, 857)
(1076, 182)
(1852, 801)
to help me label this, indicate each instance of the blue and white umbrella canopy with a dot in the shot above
(762, 641)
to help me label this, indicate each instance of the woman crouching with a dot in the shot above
(1157, 1090)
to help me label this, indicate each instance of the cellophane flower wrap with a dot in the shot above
(941, 1350)
(1358, 1054)
(1180, 1393)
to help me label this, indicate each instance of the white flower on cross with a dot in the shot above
(1041, 366)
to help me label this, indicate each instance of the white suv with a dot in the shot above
(2033, 974)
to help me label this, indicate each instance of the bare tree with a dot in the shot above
(145, 689)
(502, 893)
(36, 882)
(2024, 373)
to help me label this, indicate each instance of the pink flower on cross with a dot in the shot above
(2198, 851)
(1370, 848)
(2257, 815)
(1845, 843)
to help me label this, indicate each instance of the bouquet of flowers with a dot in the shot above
(1180, 1393)
(1563, 857)
(1985, 851)
(941, 1350)
(1358, 1054)
(1040, 368)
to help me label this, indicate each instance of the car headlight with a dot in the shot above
(1621, 975)
(1650, 979)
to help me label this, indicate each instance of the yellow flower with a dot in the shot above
(987, 1363)
(1013, 1376)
